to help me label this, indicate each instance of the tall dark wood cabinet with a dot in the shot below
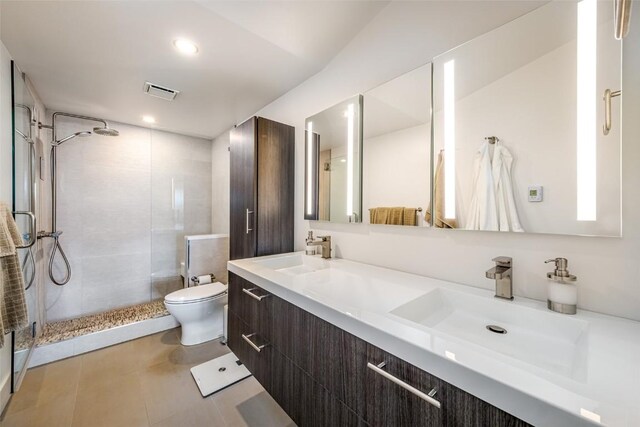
(262, 188)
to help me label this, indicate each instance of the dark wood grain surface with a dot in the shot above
(243, 190)
(276, 174)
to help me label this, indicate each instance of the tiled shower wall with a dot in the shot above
(125, 204)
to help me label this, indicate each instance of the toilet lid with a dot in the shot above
(196, 293)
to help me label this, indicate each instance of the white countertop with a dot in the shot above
(601, 382)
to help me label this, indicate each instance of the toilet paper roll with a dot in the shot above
(203, 280)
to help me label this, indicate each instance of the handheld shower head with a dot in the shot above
(105, 131)
(73, 135)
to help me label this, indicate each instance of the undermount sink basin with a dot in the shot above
(294, 264)
(550, 341)
(352, 295)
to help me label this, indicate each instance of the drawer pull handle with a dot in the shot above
(426, 397)
(257, 348)
(252, 295)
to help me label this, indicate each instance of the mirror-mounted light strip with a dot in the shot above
(350, 141)
(449, 140)
(586, 110)
(309, 168)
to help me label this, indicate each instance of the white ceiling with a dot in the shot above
(93, 57)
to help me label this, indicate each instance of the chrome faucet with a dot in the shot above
(324, 242)
(502, 274)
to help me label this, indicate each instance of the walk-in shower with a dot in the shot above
(103, 130)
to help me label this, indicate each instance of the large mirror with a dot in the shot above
(397, 150)
(519, 116)
(333, 163)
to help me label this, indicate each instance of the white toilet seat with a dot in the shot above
(196, 294)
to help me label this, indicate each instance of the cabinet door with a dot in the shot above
(276, 175)
(257, 362)
(306, 401)
(311, 343)
(243, 175)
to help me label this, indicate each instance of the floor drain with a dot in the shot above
(496, 329)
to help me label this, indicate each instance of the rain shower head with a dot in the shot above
(105, 131)
(73, 135)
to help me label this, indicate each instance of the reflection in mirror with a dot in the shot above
(397, 150)
(519, 118)
(333, 163)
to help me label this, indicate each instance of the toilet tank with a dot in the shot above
(206, 254)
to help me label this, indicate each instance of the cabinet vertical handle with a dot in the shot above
(248, 228)
(427, 397)
(257, 348)
(252, 295)
(608, 94)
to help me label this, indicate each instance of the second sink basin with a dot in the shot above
(549, 341)
(294, 264)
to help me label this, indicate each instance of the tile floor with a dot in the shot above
(144, 382)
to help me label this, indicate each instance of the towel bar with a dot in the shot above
(32, 229)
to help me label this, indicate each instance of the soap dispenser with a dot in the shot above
(562, 293)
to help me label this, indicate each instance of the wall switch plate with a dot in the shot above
(535, 193)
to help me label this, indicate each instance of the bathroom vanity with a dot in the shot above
(337, 342)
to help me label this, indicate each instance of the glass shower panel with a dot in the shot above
(103, 210)
(24, 203)
(180, 204)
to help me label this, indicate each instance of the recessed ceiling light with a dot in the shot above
(185, 46)
(148, 119)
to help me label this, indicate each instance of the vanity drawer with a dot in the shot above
(252, 304)
(464, 409)
(373, 381)
(252, 350)
(382, 402)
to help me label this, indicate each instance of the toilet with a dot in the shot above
(199, 310)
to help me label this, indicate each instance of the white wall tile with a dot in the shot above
(113, 192)
(220, 173)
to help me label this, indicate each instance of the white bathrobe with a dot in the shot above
(493, 206)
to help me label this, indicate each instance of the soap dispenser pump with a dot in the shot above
(562, 296)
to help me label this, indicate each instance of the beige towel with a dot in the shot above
(13, 309)
(378, 215)
(410, 216)
(396, 216)
(438, 194)
(393, 216)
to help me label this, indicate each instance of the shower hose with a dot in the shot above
(58, 248)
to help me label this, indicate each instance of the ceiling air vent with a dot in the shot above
(160, 91)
